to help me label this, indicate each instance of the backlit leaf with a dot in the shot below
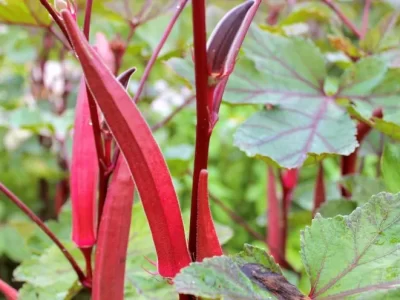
(23, 12)
(288, 135)
(350, 256)
(290, 74)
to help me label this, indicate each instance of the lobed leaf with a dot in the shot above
(288, 134)
(290, 74)
(222, 276)
(287, 69)
(55, 273)
(370, 85)
(338, 252)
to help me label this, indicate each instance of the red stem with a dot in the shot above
(87, 254)
(55, 17)
(319, 192)
(349, 163)
(203, 133)
(8, 291)
(88, 16)
(167, 32)
(342, 17)
(276, 228)
(365, 19)
(277, 220)
(25, 209)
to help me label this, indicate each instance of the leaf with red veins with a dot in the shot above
(276, 69)
(290, 136)
(84, 174)
(369, 85)
(141, 152)
(354, 256)
(304, 124)
(207, 239)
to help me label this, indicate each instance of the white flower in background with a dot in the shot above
(336, 57)
(15, 137)
(296, 29)
(168, 98)
(3, 28)
(72, 70)
(53, 77)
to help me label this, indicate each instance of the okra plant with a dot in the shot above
(275, 122)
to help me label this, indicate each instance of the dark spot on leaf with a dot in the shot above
(275, 283)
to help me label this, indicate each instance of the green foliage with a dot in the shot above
(221, 277)
(338, 252)
(27, 12)
(390, 170)
(333, 208)
(298, 89)
(12, 244)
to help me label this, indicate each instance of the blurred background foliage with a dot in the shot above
(38, 85)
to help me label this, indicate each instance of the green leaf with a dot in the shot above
(289, 70)
(288, 135)
(180, 35)
(362, 187)
(12, 244)
(27, 12)
(361, 78)
(390, 162)
(288, 73)
(369, 85)
(218, 277)
(256, 255)
(333, 208)
(389, 128)
(39, 241)
(382, 35)
(51, 271)
(31, 292)
(339, 252)
(12, 88)
(140, 283)
(308, 11)
(38, 120)
(223, 277)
